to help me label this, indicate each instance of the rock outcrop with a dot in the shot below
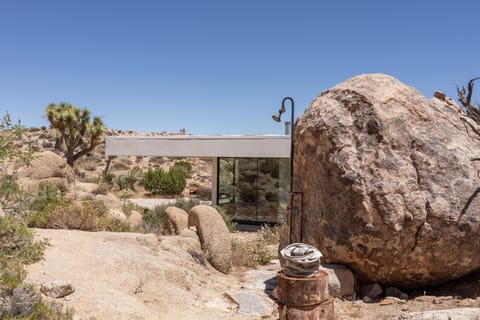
(214, 236)
(46, 167)
(176, 220)
(390, 185)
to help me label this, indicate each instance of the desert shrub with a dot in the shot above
(102, 188)
(128, 180)
(17, 242)
(108, 178)
(272, 234)
(12, 199)
(92, 215)
(157, 181)
(258, 251)
(184, 166)
(152, 220)
(251, 254)
(24, 302)
(17, 249)
(48, 194)
(120, 181)
(129, 206)
(186, 204)
(10, 134)
(131, 178)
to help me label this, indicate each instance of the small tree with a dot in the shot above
(78, 134)
(9, 135)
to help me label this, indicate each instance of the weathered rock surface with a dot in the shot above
(390, 188)
(110, 200)
(176, 220)
(135, 219)
(134, 276)
(341, 282)
(57, 289)
(46, 167)
(214, 236)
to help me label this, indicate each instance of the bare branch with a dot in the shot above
(465, 98)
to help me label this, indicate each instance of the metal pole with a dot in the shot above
(292, 153)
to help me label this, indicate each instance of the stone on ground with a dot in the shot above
(251, 303)
(341, 282)
(372, 291)
(57, 289)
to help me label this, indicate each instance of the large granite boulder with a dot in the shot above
(390, 185)
(46, 167)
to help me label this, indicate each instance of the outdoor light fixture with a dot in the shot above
(277, 117)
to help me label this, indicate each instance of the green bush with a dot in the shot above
(131, 178)
(186, 204)
(17, 249)
(108, 178)
(121, 182)
(48, 194)
(16, 242)
(128, 180)
(184, 166)
(12, 198)
(167, 183)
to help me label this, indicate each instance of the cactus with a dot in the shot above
(79, 136)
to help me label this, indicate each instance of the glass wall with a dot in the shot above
(254, 189)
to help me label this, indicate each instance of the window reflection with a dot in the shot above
(254, 189)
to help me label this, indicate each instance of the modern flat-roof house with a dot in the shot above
(251, 173)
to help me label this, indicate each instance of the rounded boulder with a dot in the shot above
(214, 236)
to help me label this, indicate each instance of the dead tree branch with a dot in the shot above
(465, 98)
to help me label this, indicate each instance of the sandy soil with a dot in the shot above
(136, 276)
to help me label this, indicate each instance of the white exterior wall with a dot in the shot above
(200, 146)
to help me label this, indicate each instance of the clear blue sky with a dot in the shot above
(219, 66)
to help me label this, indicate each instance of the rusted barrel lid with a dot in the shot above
(300, 260)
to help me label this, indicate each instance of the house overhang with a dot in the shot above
(244, 146)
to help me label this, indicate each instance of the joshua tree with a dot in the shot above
(78, 134)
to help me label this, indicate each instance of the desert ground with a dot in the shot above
(138, 276)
